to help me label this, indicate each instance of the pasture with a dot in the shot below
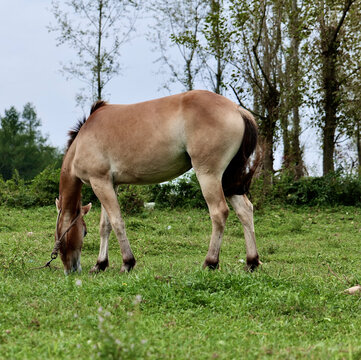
(167, 307)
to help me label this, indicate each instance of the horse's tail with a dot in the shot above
(238, 175)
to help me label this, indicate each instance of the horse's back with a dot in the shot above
(156, 140)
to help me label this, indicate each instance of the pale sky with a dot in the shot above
(29, 72)
(30, 64)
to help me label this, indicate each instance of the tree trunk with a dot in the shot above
(331, 90)
(296, 96)
(99, 60)
(216, 13)
(287, 157)
(267, 132)
(358, 141)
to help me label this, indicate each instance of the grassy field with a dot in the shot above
(168, 308)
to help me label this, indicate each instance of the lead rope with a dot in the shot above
(58, 242)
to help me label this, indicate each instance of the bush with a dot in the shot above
(45, 187)
(181, 192)
(14, 192)
(131, 198)
(332, 189)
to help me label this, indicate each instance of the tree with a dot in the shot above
(22, 147)
(96, 30)
(178, 26)
(257, 64)
(295, 50)
(216, 50)
(332, 39)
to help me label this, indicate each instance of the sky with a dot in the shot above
(30, 64)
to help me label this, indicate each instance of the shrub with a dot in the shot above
(332, 189)
(181, 192)
(45, 187)
(131, 198)
(14, 192)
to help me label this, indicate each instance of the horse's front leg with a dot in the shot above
(104, 229)
(104, 190)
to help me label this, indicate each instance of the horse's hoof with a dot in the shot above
(211, 265)
(99, 266)
(253, 263)
(128, 265)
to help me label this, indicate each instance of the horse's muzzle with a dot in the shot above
(73, 267)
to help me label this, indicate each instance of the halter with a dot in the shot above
(58, 241)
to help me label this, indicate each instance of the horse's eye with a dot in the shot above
(85, 232)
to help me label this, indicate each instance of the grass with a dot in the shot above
(168, 308)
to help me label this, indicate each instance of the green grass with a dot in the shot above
(168, 308)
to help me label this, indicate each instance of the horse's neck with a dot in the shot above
(69, 189)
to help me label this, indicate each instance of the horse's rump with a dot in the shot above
(238, 175)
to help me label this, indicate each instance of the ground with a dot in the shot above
(168, 307)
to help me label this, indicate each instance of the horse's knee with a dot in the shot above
(220, 215)
(243, 208)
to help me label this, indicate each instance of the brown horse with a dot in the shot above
(152, 142)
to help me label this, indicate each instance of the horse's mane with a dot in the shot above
(75, 130)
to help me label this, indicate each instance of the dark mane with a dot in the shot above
(75, 130)
(97, 105)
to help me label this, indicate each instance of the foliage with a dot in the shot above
(293, 63)
(22, 146)
(182, 192)
(177, 27)
(330, 190)
(168, 308)
(132, 198)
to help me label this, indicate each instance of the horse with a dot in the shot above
(152, 142)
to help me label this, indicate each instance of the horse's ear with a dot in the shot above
(57, 204)
(86, 208)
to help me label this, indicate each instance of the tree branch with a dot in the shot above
(240, 103)
(346, 9)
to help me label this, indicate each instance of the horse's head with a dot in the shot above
(69, 234)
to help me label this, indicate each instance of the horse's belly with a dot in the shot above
(152, 171)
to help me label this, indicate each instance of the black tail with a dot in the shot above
(237, 177)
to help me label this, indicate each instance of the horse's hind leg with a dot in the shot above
(244, 210)
(213, 194)
(105, 192)
(104, 228)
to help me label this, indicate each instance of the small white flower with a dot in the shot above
(101, 319)
(107, 314)
(100, 309)
(241, 261)
(30, 233)
(117, 341)
(137, 300)
(78, 282)
(169, 227)
(143, 341)
(76, 316)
